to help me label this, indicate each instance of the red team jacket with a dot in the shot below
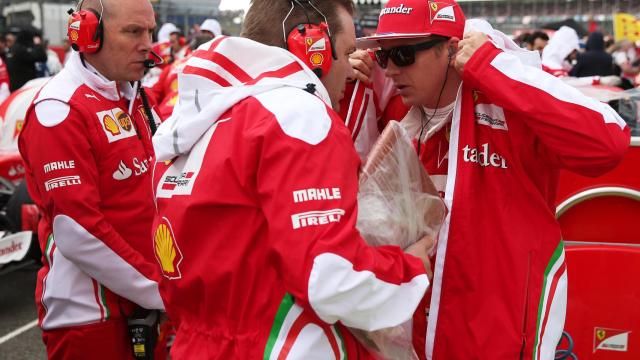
(499, 289)
(257, 208)
(88, 162)
(500, 281)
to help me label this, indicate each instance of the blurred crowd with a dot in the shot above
(564, 53)
(25, 55)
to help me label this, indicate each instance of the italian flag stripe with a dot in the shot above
(103, 300)
(96, 293)
(48, 250)
(554, 270)
(338, 336)
(285, 305)
(289, 323)
(554, 286)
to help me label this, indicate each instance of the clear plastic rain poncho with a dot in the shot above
(397, 205)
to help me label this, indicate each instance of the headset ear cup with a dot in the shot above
(84, 31)
(312, 44)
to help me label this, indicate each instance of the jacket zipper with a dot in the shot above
(526, 308)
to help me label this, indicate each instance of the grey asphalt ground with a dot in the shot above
(17, 309)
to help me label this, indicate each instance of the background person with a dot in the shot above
(88, 153)
(22, 58)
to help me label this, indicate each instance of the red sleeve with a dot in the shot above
(579, 133)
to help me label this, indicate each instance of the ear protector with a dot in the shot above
(85, 31)
(451, 52)
(311, 43)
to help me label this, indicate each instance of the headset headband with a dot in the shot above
(79, 7)
(299, 2)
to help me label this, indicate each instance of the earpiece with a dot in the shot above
(451, 52)
(85, 31)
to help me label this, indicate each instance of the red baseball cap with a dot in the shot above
(402, 19)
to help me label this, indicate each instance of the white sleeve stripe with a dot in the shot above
(103, 264)
(511, 67)
(359, 299)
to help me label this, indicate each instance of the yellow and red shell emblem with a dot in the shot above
(18, 129)
(111, 126)
(166, 250)
(316, 59)
(74, 35)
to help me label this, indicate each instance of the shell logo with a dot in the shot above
(316, 59)
(18, 129)
(125, 121)
(111, 126)
(166, 250)
(74, 35)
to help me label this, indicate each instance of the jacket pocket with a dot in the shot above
(525, 312)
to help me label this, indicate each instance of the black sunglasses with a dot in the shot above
(404, 55)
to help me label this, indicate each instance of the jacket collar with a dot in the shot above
(111, 90)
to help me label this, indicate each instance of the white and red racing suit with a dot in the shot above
(88, 155)
(500, 280)
(499, 289)
(257, 207)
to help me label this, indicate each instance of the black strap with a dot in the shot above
(147, 109)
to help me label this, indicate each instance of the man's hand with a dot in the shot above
(362, 65)
(467, 47)
(421, 250)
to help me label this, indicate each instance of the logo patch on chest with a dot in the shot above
(116, 124)
(491, 115)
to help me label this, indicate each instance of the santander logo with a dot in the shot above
(483, 157)
(401, 9)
